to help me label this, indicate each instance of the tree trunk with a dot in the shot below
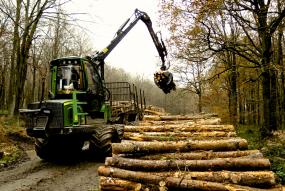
(273, 100)
(169, 146)
(15, 51)
(233, 90)
(242, 107)
(34, 84)
(32, 18)
(241, 164)
(200, 102)
(173, 182)
(266, 127)
(180, 128)
(269, 113)
(204, 155)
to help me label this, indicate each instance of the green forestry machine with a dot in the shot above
(78, 113)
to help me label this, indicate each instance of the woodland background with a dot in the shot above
(227, 56)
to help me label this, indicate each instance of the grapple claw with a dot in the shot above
(164, 80)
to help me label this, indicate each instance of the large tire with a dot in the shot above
(102, 139)
(56, 149)
(43, 149)
(118, 134)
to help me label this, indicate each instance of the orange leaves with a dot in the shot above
(194, 31)
(207, 8)
(176, 11)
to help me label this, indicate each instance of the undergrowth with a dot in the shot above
(273, 148)
(12, 134)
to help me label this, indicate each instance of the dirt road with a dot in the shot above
(37, 175)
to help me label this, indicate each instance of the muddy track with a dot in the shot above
(38, 175)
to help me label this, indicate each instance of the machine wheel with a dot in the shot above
(118, 134)
(53, 149)
(44, 149)
(102, 139)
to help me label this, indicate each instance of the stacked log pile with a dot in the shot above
(122, 107)
(185, 153)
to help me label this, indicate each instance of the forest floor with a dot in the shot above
(22, 170)
(272, 148)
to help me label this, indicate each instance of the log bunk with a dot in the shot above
(185, 153)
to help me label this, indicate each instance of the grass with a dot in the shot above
(273, 148)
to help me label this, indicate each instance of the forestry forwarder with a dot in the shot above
(78, 114)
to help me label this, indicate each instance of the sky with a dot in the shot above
(136, 53)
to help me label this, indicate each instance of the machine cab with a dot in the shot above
(68, 78)
(67, 75)
(74, 74)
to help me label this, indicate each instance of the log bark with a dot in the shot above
(152, 112)
(181, 146)
(157, 121)
(204, 155)
(180, 117)
(116, 184)
(172, 182)
(259, 179)
(170, 138)
(212, 121)
(180, 128)
(241, 164)
(151, 118)
(150, 123)
(185, 134)
(176, 136)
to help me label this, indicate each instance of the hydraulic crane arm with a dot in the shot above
(162, 81)
(125, 29)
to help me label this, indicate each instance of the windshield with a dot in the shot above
(68, 77)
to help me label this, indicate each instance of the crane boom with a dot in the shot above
(163, 79)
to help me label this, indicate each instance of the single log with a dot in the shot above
(172, 182)
(186, 117)
(156, 121)
(150, 123)
(260, 179)
(170, 138)
(241, 164)
(204, 155)
(178, 117)
(117, 184)
(232, 187)
(140, 137)
(108, 183)
(177, 135)
(151, 118)
(152, 112)
(180, 128)
(212, 121)
(182, 146)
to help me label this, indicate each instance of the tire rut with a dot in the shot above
(37, 175)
